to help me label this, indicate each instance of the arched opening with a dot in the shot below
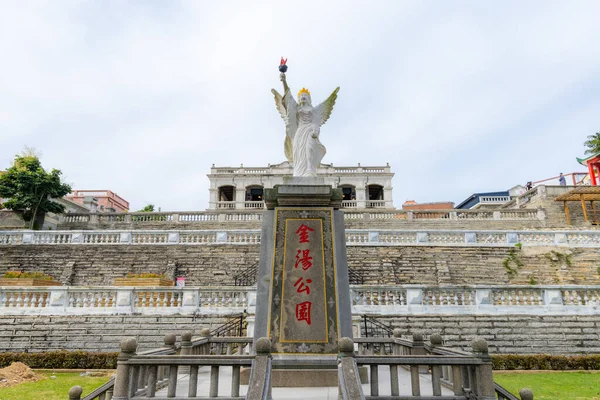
(348, 192)
(375, 192)
(226, 193)
(254, 193)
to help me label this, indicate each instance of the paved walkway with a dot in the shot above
(316, 393)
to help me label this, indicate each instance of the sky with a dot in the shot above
(142, 97)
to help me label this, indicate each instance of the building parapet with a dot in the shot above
(286, 169)
(354, 237)
(366, 299)
(91, 220)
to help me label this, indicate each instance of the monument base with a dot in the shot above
(304, 377)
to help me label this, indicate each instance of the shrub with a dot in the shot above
(27, 275)
(146, 275)
(62, 360)
(545, 362)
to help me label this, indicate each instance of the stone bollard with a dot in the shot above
(121, 388)
(484, 383)
(526, 394)
(437, 371)
(75, 393)
(418, 349)
(436, 340)
(205, 333)
(169, 340)
(259, 386)
(186, 350)
(397, 347)
(349, 378)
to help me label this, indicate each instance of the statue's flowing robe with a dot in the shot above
(302, 150)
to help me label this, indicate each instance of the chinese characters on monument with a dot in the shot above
(304, 310)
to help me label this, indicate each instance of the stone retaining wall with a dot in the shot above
(95, 333)
(99, 265)
(505, 334)
(523, 334)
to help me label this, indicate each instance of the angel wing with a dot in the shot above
(287, 107)
(322, 112)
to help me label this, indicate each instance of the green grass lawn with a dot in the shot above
(578, 385)
(52, 388)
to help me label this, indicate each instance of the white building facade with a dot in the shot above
(241, 188)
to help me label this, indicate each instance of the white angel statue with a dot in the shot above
(302, 128)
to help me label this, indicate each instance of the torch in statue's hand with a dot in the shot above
(282, 66)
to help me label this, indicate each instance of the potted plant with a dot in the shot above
(145, 279)
(19, 278)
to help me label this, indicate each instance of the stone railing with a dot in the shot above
(154, 373)
(222, 215)
(450, 374)
(366, 299)
(354, 237)
(64, 300)
(494, 300)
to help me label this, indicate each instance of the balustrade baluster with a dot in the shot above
(374, 372)
(235, 381)
(193, 385)
(133, 380)
(151, 382)
(394, 380)
(436, 380)
(172, 388)
(214, 381)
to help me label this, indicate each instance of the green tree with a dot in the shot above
(593, 144)
(148, 208)
(29, 189)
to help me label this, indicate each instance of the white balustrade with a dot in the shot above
(375, 203)
(354, 237)
(224, 215)
(372, 299)
(349, 204)
(254, 204)
(226, 204)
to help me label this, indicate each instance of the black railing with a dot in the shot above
(234, 327)
(355, 278)
(374, 328)
(247, 277)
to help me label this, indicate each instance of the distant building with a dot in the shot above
(241, 188)
(440, 205)
(490, 199)
(51, 219)
(105, 200)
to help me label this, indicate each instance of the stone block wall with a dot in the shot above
(505, 334)
(99, 265)
(523, 334)
(95, 333)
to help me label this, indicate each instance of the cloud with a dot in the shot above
(143, 97)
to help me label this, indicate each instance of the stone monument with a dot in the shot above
(303, 299)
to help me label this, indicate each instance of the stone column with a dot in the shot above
(387, 196)
(240, 198)
(484, 379)
(350, 386)
(186, 350)
(121, 388)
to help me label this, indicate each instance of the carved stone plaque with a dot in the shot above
(303, 317)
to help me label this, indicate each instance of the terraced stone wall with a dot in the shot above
(522, 334)
(99, 265)
(95, 333)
